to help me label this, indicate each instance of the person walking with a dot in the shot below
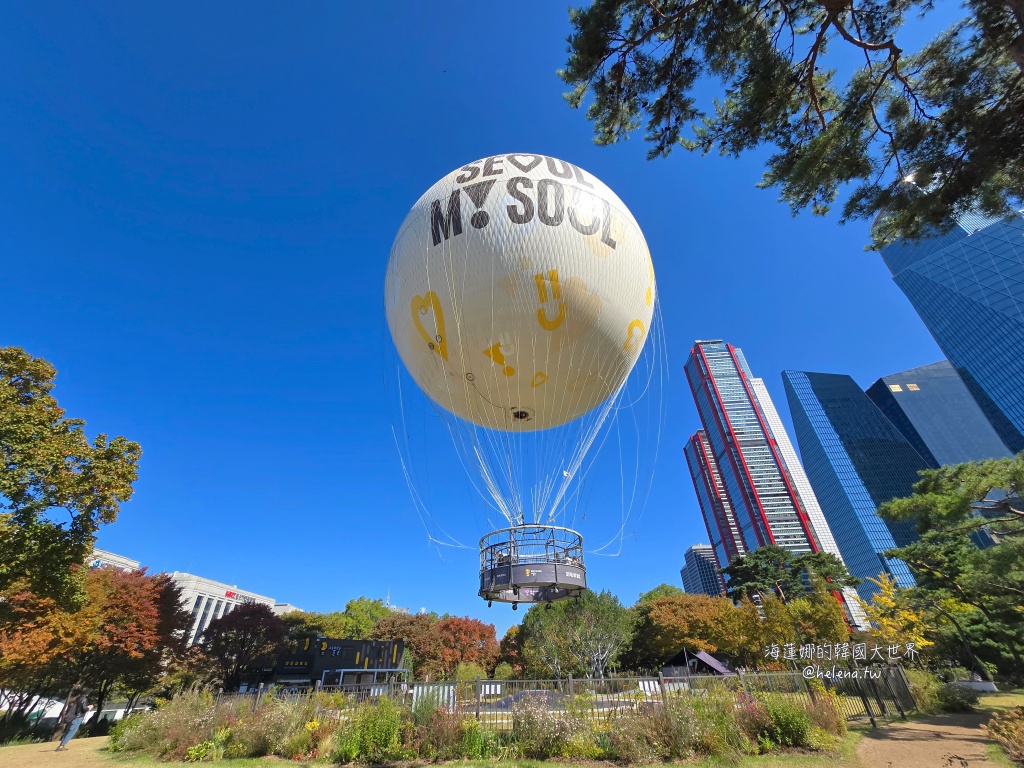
(73, 716)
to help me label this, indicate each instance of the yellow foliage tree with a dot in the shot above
(893, 619)
(818, 617)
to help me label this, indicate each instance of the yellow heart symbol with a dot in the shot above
(420, 306)
(539, 379)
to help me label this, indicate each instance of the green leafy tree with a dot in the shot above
(894, 619)
(764, 572)
(955, 508)
(662, 590)
(56, 487)
(362, 615)
(948, 114)
(750, 627)
(818, 617)
(356, 622)
(773, 570)
(583, 636)
(543, 642)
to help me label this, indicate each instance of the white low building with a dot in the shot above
(205, 599)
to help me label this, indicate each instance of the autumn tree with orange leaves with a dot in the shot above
(127, 627)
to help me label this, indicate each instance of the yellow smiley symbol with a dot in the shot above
(420, 306)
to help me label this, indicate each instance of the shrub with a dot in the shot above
(957, 698)
(199, 752)
(824, 710)
(345, 744)
(536, 730)
(925, 687)
(475, 745)
(821, 740)
(1008, 730)
(633, 739)
(131, 733)
(755, 723)
(380, 731)
(791, 725)
(429, 701)
(714, 729)
(503, 671)
(441, 737)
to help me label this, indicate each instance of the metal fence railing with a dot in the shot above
(877, 692)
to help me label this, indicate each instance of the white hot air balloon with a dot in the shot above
(519, 295)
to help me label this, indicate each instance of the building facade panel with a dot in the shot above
(766, 506)
(967, 285)
(932, 408)
(819, 525)
(856, 460)
(206, 600)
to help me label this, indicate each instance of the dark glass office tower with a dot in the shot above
(700, 573)
(933, 409)
(968, 288)
(856, 460)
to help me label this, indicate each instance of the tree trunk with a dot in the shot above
(1016, 47)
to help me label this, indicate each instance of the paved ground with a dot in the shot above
(956, 741)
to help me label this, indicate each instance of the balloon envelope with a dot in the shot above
(519, 292)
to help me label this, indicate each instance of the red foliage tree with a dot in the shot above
(236, 640)
(462, 639)
(420, 641)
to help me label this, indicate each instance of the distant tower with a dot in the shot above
(700, 572)
(856, 460)
(931, 406)
(968, 287)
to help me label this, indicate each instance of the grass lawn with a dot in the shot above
(1002, 701)
(997, 703)
(92, 753)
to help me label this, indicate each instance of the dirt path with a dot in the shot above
(81, 753)
(956, 741)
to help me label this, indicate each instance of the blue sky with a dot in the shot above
(195, 220)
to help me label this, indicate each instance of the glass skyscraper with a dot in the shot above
(933, 409)
(968, 287)
(726, 541)
(751, 487)
(700, 572)
(856, 460)
(763, 500)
